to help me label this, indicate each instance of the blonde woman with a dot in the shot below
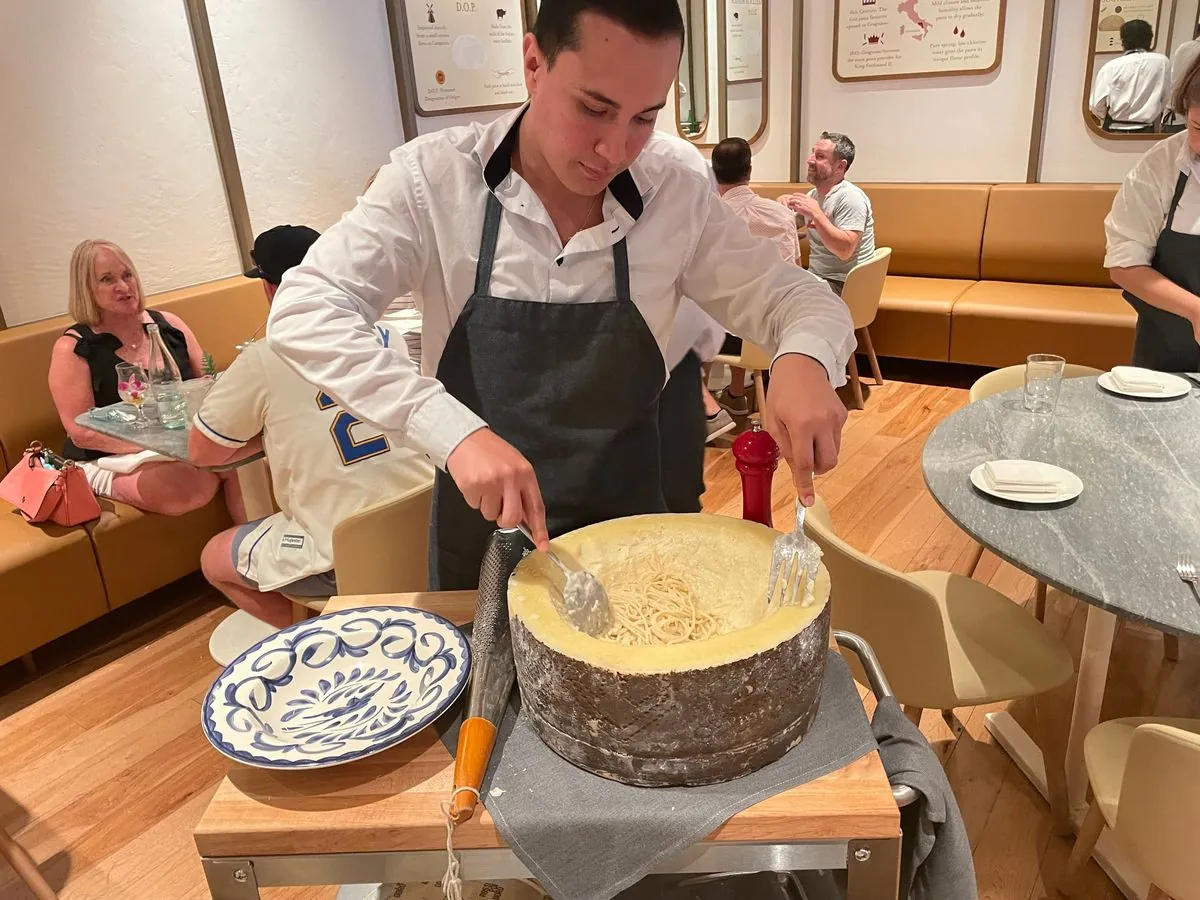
(109, 309)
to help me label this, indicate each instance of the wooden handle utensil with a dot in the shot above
(475, 740)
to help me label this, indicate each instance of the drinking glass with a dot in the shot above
(133, 386)
(1043, 379)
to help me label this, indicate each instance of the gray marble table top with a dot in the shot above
(172, 442)
(1116, 545)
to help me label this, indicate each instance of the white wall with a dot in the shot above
(958, 129)
(104, 135)
(313, 106)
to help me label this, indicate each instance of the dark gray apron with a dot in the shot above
(1164, 341)
(573, 386)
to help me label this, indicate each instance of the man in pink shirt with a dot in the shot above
(731, 165)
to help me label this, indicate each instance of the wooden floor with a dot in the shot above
(105, 770)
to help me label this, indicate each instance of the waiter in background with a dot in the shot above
(547, 253)
(1153, 236)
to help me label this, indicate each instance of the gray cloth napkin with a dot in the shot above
(587, 838)
(937, 863)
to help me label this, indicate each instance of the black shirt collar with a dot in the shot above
(623, 188)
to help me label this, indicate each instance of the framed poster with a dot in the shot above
(465, 55)
(744, 40)
(1112, 14)
(882, 39)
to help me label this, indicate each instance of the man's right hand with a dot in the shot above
(499, 482)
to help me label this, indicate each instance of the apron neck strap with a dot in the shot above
(487, 254)
(1180, 185)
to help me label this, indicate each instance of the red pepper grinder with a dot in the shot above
(757, 457)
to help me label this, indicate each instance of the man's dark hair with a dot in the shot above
(843, 147)
(1137, 34)
(731, 161)
(557, 26)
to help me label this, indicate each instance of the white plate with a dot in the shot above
(1174, 386)
(336, 688)
(1072, 486)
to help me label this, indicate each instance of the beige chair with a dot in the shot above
(1012, 377)
(18, 857)
(997, 382)
(863, 288)
(382, 549)
(1145, 777)
(755, 360)
(946, 641)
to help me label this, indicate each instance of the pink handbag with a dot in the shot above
(47, 488)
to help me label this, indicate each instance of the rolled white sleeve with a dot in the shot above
(321, 320)
(235, 408)
(742, 283)
(1138, 216)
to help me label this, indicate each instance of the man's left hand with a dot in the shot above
(804, 205)
(805, 417)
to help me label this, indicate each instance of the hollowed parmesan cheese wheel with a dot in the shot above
(688, 713)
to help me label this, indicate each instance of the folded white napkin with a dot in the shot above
(1138, 380)
(1018, 476)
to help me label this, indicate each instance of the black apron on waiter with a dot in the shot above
(1164, 341)
(573, 386)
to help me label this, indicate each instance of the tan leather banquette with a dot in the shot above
(987, 274)
(55, 579)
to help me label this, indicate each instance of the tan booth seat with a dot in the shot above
(135, 552)
(935, 232)
(49, 583)
(1044, 288)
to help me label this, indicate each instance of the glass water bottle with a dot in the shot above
(166, 383)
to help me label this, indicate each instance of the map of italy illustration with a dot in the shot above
(909, 8)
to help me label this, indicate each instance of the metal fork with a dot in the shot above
(1186, 570)
(794, 561)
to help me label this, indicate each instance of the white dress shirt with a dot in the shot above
(695, 330)
(418, 227)
(1133, 88)
(1139, 212)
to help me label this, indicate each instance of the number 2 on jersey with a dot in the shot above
(350, 450)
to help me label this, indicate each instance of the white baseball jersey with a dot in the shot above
(325, 464)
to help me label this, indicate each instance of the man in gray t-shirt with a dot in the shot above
(841, 226)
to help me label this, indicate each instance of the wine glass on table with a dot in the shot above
(133, 386)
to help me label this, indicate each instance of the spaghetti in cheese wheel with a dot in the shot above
(697, 681)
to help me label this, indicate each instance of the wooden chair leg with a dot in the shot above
(1039, 602)
(25, 867)
(1170, 647)
(760, 395)
(1089, 833)
(855, 384)
(871, 357)
(914, 714)
(1052, 740)
(976, 557)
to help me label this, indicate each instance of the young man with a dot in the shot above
(548, 255)
(841, 224)
(325, 464)
(732, 164)
(1131, 93)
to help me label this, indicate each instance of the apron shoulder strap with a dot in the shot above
(1180, 186)
(487, 246)
(621, 270)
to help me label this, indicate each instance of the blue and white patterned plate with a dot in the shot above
(336, 688)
